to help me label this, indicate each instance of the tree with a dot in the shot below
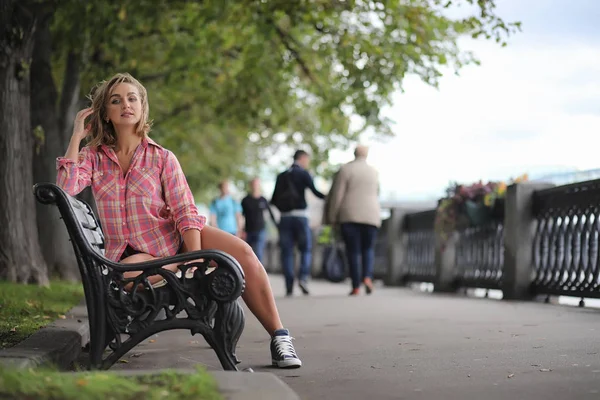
(230, 82)
(20, 256)
(50, 118)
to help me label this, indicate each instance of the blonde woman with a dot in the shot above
(145, 205)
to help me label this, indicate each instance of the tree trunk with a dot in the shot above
(20, 254)
(50, 143)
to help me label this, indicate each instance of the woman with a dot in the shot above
(145, 205)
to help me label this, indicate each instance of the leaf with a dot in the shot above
(13, 329)
(545, 370)
(510, 375)
(136, 355)
(151, 341)
(123, 361)
(62, 316)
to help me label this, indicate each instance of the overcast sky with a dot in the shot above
(533, 106)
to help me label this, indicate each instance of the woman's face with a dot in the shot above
(124, 105)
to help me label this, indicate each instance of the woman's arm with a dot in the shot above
(192, 240)
(180, 200)
(74, 170)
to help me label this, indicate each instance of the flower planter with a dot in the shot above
(478, 213)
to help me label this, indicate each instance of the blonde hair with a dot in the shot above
(102, 132)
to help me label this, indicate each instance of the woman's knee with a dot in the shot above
(247, 253)
(234, 246)
(248, 259)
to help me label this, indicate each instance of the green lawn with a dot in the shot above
(26, 308)
(51, 385)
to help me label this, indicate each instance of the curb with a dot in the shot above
(238, 385)
(58, 344)
(61, 342)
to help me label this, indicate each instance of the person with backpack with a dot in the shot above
(294, 230)
(225, 212)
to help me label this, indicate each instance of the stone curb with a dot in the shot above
(61, 342)
(58, 344)
(238, 385)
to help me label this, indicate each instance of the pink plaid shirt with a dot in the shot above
(149, 208)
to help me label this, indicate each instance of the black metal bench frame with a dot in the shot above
(120, 319)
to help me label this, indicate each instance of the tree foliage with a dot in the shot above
(231, 82)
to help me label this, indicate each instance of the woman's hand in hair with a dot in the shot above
(80, 130)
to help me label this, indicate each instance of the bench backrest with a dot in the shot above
(83, 226)
(88, 243)
(88, 223)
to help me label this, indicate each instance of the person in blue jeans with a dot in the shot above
(353, 205)
(226, 212)
(253, 208)
(294, 229)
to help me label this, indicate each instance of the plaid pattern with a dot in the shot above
(149, 209)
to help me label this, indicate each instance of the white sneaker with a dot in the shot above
(283, 354)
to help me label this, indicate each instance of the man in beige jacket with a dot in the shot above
(353, 204)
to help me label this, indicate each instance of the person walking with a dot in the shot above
(353, 204)
(294, 230)
(225, 212)
(253, 208)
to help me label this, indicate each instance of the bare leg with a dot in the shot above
(258, 294)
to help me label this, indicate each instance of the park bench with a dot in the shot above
(120, 318)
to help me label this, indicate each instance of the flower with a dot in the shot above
(488, 199)
(452, 210)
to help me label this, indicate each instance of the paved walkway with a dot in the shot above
(402, 344)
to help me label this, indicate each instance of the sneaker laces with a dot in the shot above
(284, 346)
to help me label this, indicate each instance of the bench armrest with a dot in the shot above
(219, 256)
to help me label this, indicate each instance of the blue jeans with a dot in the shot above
(257, 241)
(294, 231)
(360, 246)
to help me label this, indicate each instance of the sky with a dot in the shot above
(531, 107)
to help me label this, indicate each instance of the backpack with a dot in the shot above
(285, 195)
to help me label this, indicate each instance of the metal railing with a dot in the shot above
(565, 246)
(480, 256)
(420, 246)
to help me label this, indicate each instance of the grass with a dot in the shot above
(52, 385)
(26, 308)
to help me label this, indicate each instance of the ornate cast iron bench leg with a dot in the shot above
(224, 336)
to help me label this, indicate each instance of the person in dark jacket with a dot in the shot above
(294, 229)
(253, 208)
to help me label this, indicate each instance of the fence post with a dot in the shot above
(518, 240)
(396, 248)
(445, 264)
